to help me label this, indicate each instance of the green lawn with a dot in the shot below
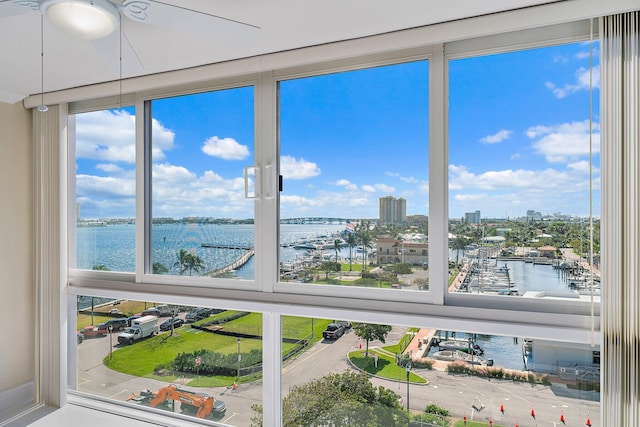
(141, 358)
(386, 368)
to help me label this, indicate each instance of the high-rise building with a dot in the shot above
(472, 217)
(392, 210)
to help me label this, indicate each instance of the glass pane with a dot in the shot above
(105, 190)
(524, 174)
(202, 223)
(345, 373)
(197, 361)
(354, 161)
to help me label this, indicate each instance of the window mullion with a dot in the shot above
(266, 218)
(438, 182)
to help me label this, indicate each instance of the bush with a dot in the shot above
(496, 372)
(213, 363)
(400, 268)
(435, 409)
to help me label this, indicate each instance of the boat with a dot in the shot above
(460, 345)
(459, 356)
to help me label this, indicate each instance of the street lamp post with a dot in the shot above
(239, 359)
(110, 342)
(408, 372)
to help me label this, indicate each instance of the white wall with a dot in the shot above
(16, 248)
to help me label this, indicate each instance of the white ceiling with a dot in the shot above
(175, 38)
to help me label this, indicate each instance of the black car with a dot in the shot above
(166, 325)
(116, 324)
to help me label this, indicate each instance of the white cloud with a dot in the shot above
(178, 192)
(368, 188)
(465, 198)
(109, 136)
(348, 185)
(583, 81)
(516, 156)
(508, 179)
(583, 166)
(500, 136)
(104, 187)
(407, 179)
(383, 188)
(225, 148)
(293, 168)
(110, 168)
(565, 141)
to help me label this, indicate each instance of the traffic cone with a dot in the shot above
(588, 422)
(502, 408)
(533, 414)
(562, 418)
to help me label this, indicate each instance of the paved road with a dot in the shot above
(456, 393)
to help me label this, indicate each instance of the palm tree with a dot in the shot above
(459, 243)
(194, 263)
(159, 268)
(338, 244)
(365, 241)
(352, 242)
(182, 260)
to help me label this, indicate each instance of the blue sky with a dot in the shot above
(518, 140)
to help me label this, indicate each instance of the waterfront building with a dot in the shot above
(391, 251)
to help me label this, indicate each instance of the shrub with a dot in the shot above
(435, 409)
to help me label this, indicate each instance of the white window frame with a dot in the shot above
(439, 310)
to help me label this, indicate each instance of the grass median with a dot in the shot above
(143, 357)
(385, 368)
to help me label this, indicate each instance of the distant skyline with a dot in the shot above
(518, 140)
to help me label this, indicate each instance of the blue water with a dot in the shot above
(114, 245)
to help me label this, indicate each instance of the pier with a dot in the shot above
(242, 260)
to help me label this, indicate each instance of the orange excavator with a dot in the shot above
(192, 403)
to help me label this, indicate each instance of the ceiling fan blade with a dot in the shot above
(205, 13)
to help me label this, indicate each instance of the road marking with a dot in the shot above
(288, 368)
(227, 419)
(120, 392)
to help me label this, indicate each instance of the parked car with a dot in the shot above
(92, 332)
(132, 318)
(166, 325)
(333, 331)
(151, 312)
(116, 324)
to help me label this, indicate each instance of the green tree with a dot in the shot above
(338, 244)
(159, 268)
(328, 267)
(352, 242)
(188, 262)
(459, 243)
(369, 332)
(182, 260)
(342, 399)
(194, 264)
